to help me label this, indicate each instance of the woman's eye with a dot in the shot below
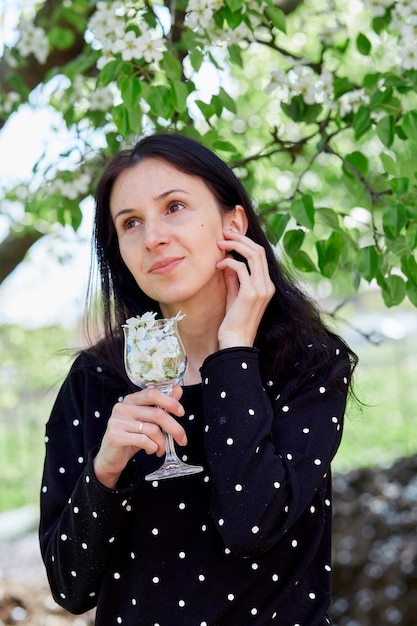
(174, 207)
(131, 222)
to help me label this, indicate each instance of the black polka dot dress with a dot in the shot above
(247, 541)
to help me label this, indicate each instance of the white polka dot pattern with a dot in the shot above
(252, 515)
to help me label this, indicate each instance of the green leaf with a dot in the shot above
(224, 146)
(329, 251)
(385, 130)
(235, 54)
(361, 121)
(303, 262)
(411, 291)
(381, 22)
(328, 217)
(130, 90)
(172, 66)
(196, 59)
(227, 101)
(389, 164)
(409, 124)
(293, 240)
(135, 119)
(393, 290)
(160, 101)
(181, 95)
(411, 237)
(363, 44)
(342, 86)
(367, 262)
(408, 168)
(294, 109)
(234, 5)
(393, 220)
(109, 72)
(409, 268)
(358, 161)
(207, 109)
(278, 225)
(302, 210)
(121, 119)
(399, 185)
(380, 97)
(276, 16)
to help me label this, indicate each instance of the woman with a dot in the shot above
(247, 541)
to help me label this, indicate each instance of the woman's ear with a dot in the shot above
(236, 219)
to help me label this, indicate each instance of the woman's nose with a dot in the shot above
(156, 233)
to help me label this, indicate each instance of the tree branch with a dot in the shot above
(13, 250)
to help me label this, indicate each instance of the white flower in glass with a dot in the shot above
(155, 357)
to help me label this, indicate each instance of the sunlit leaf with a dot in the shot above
(303, 211)
(362, 121)
(393, 220)
(363, 44)
(385, 130)
(303, 262)
(292, 241)
(367, 262)
(393, 290)
(329, 251)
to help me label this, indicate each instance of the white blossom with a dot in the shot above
(378, 8)
(152, 47)
(408, 55)
(406, 10)
(278, 78)
(72, 189)
(326, 83)
(199, 15)
(101, 99)
(105, 57)
(32, 40)
(153, 353)
(303, 81)
(130, 46)
(351, 101)
(10, 100)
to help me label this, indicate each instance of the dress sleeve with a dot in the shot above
(268, 453)
(80, 517)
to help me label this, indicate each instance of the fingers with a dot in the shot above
(249, 289)
(255, 275)
(150, 410)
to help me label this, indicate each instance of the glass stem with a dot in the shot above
(170, 453)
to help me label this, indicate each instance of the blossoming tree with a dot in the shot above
(314, 103)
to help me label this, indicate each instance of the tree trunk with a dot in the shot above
(13, 250)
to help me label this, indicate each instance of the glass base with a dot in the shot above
(174, 469)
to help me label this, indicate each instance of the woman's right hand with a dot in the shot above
(135, 424)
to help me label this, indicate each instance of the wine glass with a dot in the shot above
(154, 356)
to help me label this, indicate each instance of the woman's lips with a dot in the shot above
(165, 266)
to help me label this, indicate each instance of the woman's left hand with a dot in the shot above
(249, 289)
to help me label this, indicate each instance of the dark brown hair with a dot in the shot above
(290, 322)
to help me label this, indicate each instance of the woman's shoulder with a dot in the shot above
(99, 360)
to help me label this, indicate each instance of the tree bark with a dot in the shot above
(13, 250)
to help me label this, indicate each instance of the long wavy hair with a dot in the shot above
(291, 320)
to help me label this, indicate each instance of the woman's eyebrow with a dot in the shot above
(164, 194)
(160, 196)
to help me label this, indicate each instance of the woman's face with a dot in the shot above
(167, 224)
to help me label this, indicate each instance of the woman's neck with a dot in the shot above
(199, 330)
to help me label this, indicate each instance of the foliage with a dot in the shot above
(313, 103)
(32, 367)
